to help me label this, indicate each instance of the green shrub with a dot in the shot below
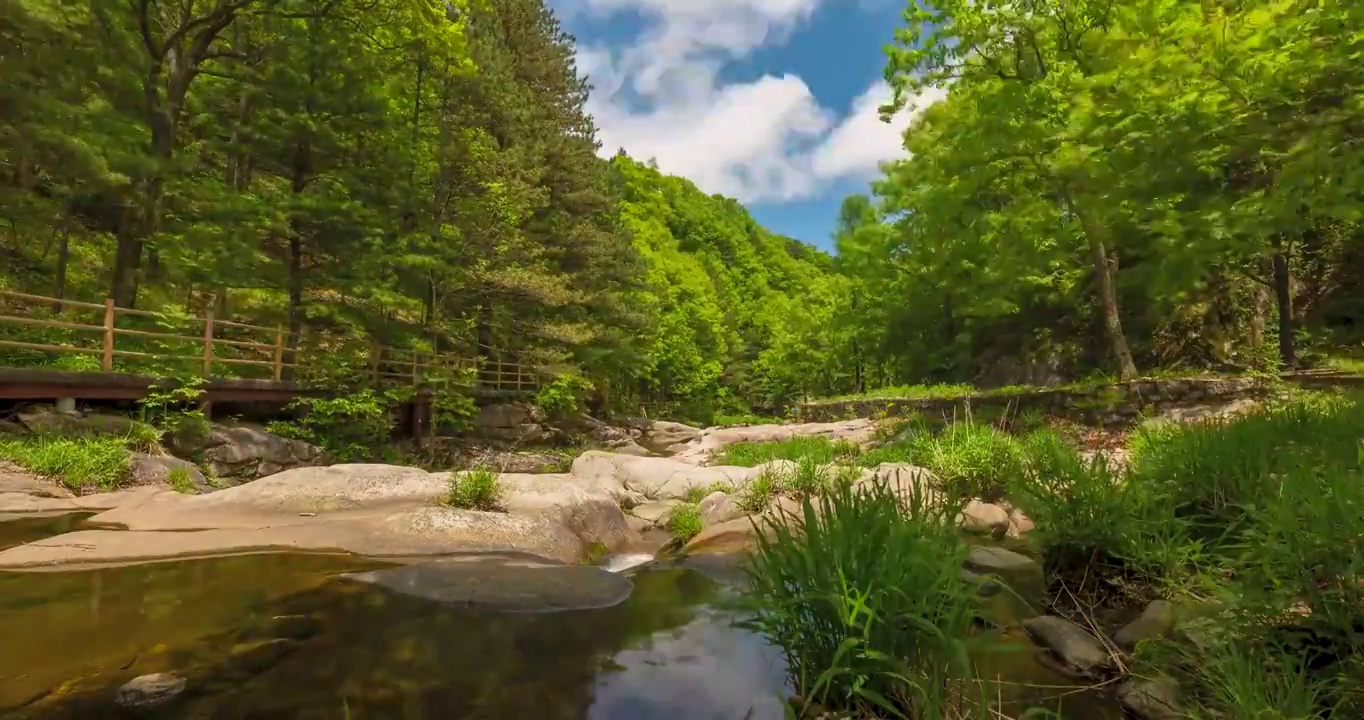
(697, 493)
(685, 521)
(809, 478)
(143, 437)
(476, 489)
(349, 427)
(79, 463)
(822, 450)
(866, 603)
(564, 396)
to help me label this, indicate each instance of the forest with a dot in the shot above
(1108, 189)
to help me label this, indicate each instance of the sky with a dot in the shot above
(772, 102)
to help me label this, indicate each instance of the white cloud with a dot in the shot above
(661, 97)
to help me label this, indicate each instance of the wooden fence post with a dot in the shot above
(279, 352)
(107, 362)
(375, 351)
(208, 343)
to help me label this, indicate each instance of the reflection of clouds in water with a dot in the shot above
(705, 670)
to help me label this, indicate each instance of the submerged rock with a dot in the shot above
(149, 691)
(253, 658)
(1020, 572)
(505, 584)
(1157, 620)
(1082, 653)
(1151, 699)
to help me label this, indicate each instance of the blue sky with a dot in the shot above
(772, 102)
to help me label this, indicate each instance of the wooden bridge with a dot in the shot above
(54, 348)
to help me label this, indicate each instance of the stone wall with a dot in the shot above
(1105, 405)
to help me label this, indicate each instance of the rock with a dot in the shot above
(727, 537)
(46, 420)
(144, 469)
(1019, 524)
(663, 433)
(585, 508)
(638, 525)
(985, 518)
(14, 479)
(631, 448)
(524, 433)
(145, 692)
(718, 507)
(985, 586)
(656, 511)
(506, 415)
(600, 432)
(516, 461)
(1156, 621)
(245, 452)
(293, 627)
(1019, 572)
(1151, 699)
(1081, 652)
(505, 584)
(712, 440)
(253, 658)
(910, 483)
(656, 478)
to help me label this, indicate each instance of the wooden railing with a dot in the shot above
(217, 348)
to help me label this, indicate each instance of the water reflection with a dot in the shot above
(17, 529)
(664, 653)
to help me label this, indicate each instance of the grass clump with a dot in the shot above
(865, 601)
(697, 493)
(79, 463)
(685, 522)
(476, 489)
(972, 459)
(759, 493)
(822, 450)
(180, 480)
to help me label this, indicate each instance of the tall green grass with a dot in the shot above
(818, 449)
(972, 459)
(476, 489)
(866, 602)
(79, 463)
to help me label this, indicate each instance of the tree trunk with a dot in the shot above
(1283, 294)
(1105, 268)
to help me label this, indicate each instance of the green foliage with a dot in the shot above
(684, 522)
(351, 428)
(172, 411)
(697, 493)
(760, 492)
(818, 449)
(476, 489)
(865, 601)
(563, 397)
(972, 459)
(79, 463)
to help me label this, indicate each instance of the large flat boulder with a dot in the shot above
(504, 584)
(711, 440)
(656, 478)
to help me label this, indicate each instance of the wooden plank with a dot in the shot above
(208, 343)
(108, 360)
(279, 352)
(42, 299)
(39, 322)
(48, 348)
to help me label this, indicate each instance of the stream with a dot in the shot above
(298, 636)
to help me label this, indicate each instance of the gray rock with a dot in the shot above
(663, 433)
(1151, 699)
(718, 507)
(655, 511)
(1020, 572)
(1156, 621)
(149, 691)
(1081, 652)
(506, 415)
(505, 584)
(47, 420)
(246, 452)
(144, 469)
(631, 448)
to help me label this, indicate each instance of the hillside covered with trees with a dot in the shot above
(414, 171)
(1108, 189)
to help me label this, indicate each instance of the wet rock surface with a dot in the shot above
(510, 585)
(1081, 652)
(147, 692)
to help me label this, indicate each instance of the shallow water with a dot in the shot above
(357, 650)
(18, 529)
